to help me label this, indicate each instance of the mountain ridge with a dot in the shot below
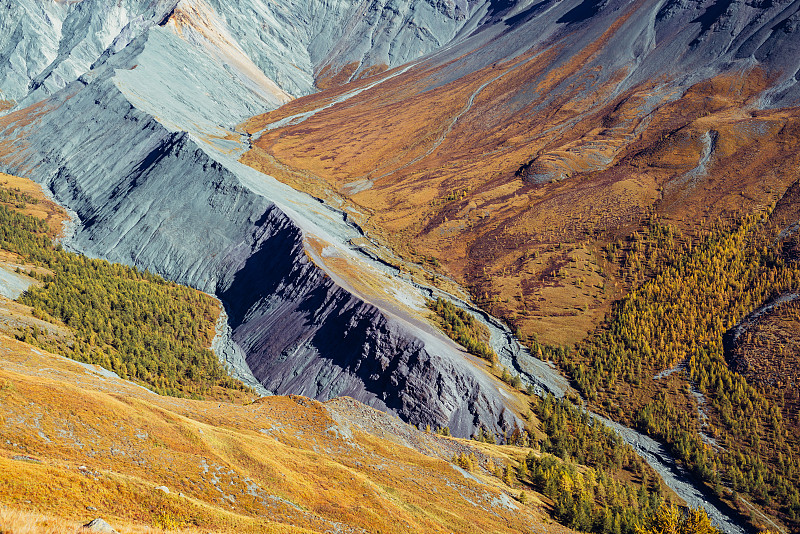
(114, 226)
(508, 154)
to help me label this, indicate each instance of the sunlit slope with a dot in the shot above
(78, 441)
(559, 124)
(612, 483)
(74, 436)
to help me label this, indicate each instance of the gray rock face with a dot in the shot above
(45, 45)
(233, 357)
(334, 33)
(672, 40)
(323, 342)
(12, 285)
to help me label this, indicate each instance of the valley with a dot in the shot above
(446, 211)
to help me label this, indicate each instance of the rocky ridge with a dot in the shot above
(175, 201)
(46, 45)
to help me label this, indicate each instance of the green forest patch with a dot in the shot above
(134, 323)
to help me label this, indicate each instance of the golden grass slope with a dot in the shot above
(44, 208)
(73, 436)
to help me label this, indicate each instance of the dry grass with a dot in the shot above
(45, 209)
(330, 77)
(14, 521)
(19, 521)
(71, 438)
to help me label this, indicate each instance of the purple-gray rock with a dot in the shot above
(99, 525)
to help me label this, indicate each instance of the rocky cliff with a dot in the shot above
(141, 148)
(45, 45)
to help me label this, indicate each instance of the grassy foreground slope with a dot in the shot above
(73, 437)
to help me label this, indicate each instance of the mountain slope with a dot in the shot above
(543, 127)
(236, 233)
(280, 464)
(137, 325)
(46, 45)
(540, 161)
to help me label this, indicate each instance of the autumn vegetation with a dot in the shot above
(131, 322)
(690, 290)
(73, 439)
(767, 352)
(462, 327)
(670, 519)
(578, 257)
(739, 437)
(596, 481)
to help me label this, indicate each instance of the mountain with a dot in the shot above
(232, 231)
(282, 464)
(605, 187)
(617, 182)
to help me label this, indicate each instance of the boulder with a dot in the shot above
(98, 525)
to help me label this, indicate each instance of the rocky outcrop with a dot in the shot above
(98, 525)
(45, 45)
(12, 283)
(676, 41)
(322, 342)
